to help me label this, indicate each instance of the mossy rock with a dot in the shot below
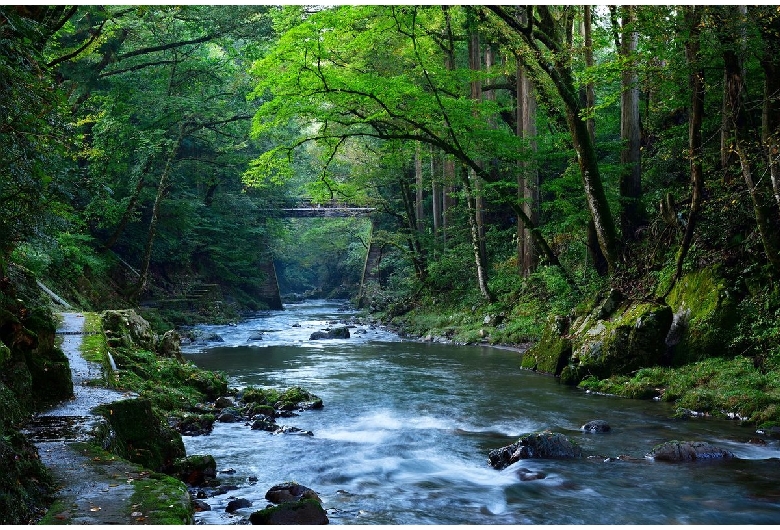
(195, 469)
(138, 435)
(634, 337)
(126, 328)
(551, 354)
(27, 486)
(706, 312)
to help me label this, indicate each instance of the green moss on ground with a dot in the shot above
(732, 388)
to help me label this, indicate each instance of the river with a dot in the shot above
(406, 428)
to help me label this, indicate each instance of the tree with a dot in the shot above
(343, 83)
(547, 31)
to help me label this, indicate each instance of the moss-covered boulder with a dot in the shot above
(705, 316)
(126, 328)
(137, 434)
(552, 353)
(631, 337)
(195, 469)
(26, 486)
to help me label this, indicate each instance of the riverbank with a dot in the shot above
(742, 388)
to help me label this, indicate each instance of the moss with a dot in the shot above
(163, 500)
(551, 354)
(710, 310)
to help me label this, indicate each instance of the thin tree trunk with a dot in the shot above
(595, 254)
(436, 198)
(482, 280)
(770, 63)
(475, 63)
(418, 177)
(696, 80)
(528, 176)
(162, 191)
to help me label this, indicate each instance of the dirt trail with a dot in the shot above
(92, 489)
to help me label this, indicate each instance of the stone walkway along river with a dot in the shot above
(93, 490)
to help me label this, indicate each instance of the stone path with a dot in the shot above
(92, 489)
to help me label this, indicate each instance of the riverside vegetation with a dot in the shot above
(598, 186)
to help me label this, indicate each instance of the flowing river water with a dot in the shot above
(406, 428)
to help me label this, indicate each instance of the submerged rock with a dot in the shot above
(545, 444)
(675, 451)
(596, 426)
(237, 504)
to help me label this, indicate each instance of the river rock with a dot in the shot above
(224, 402)
(675, 451)
(341, 332)
(303, 512)
(289, 492)
(200, 506)
(596, 426)
(526, 475)
(170, 345)
(264, 423)
(237, 504)
(195, 469)
(227, 417)
(545, 444)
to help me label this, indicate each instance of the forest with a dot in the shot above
(524, 165)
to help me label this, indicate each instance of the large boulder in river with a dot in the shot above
(341, 332)
(303, 512)
(133, 431)
(289, 492)
(675, 451)
(195, 469)
(545, 444)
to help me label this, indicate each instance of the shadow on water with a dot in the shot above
(407, 426)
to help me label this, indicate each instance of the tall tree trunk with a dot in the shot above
(595, 255)
(528, 176)
(630, 156)
(412, 234)
(479, 259)
(765, 209)
(590, 92)
(693, 16)
(475, 63)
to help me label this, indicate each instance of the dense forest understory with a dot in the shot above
(598, 183)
